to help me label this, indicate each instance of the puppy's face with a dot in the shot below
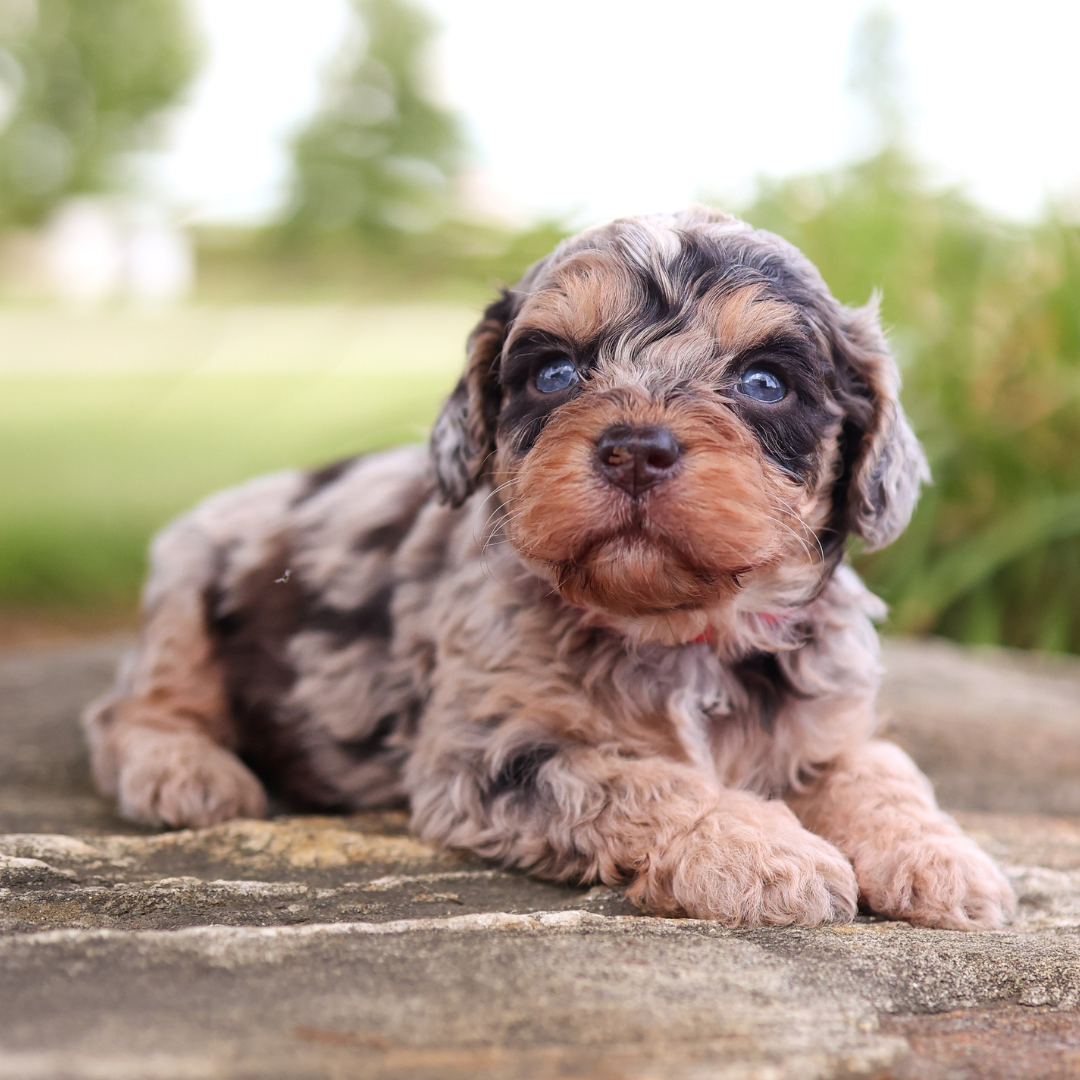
(659, 440)
(674, 411)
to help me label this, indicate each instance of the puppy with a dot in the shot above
(602, 628)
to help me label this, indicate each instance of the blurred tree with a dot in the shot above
(81, 82)
(379, 158)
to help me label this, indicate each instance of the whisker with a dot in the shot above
(781, 512)
(500, 508)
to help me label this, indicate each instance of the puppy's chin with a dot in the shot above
(634, 576)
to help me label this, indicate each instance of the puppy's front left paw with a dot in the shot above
(943, 880)
(183, 779)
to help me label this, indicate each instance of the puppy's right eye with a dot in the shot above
(761, 384)
(556, 375)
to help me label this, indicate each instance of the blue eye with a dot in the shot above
(556, 375)
(761, 385)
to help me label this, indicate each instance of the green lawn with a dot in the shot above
(111, 423)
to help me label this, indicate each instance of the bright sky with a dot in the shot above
(600, 108)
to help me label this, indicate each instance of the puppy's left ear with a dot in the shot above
(463, 438)
(887, 465)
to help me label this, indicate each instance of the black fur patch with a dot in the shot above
(372, 619)
(526, 411)
(385, 538)
(857, 398)
(518, 775)
(251, 636)
(367, 746)
(501, 311)
(252, 627)
(389, 536)
(766, 686)
(790, 431)
(323, 477)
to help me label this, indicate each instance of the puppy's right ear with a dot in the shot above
(463, 438)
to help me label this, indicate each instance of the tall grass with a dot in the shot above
(984, 317)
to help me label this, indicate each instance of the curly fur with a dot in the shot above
(669, 688)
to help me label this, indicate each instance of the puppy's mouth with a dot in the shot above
(638, 570)
(624, 541)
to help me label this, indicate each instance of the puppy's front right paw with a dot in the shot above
(941, 879)
(185, 779)
(757, 868)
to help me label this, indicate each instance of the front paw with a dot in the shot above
(940, 879)
(184, 779)
(753, 866)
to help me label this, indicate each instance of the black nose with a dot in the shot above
(636, 458)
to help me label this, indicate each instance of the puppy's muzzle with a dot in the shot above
(637, 458)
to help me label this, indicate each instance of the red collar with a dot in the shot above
(708, 635)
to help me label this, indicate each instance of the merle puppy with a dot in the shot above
(602, 628)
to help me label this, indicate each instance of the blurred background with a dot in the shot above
(242, 234)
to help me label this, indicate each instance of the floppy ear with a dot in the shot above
(886, 464)
(463, 438)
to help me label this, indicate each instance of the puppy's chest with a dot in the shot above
(706, 705)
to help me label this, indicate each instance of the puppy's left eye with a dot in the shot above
(761, 385)
(556, 375)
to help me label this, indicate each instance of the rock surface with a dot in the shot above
(342, 947)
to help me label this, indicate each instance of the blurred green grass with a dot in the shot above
(111, 424)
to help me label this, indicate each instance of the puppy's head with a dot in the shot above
(675, 411)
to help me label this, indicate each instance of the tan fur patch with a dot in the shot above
(588, 292)
(747, 317)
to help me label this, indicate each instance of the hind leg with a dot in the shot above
(163, 742)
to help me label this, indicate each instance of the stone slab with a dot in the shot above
(995, 729)
(45, 783)
(342, 947)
